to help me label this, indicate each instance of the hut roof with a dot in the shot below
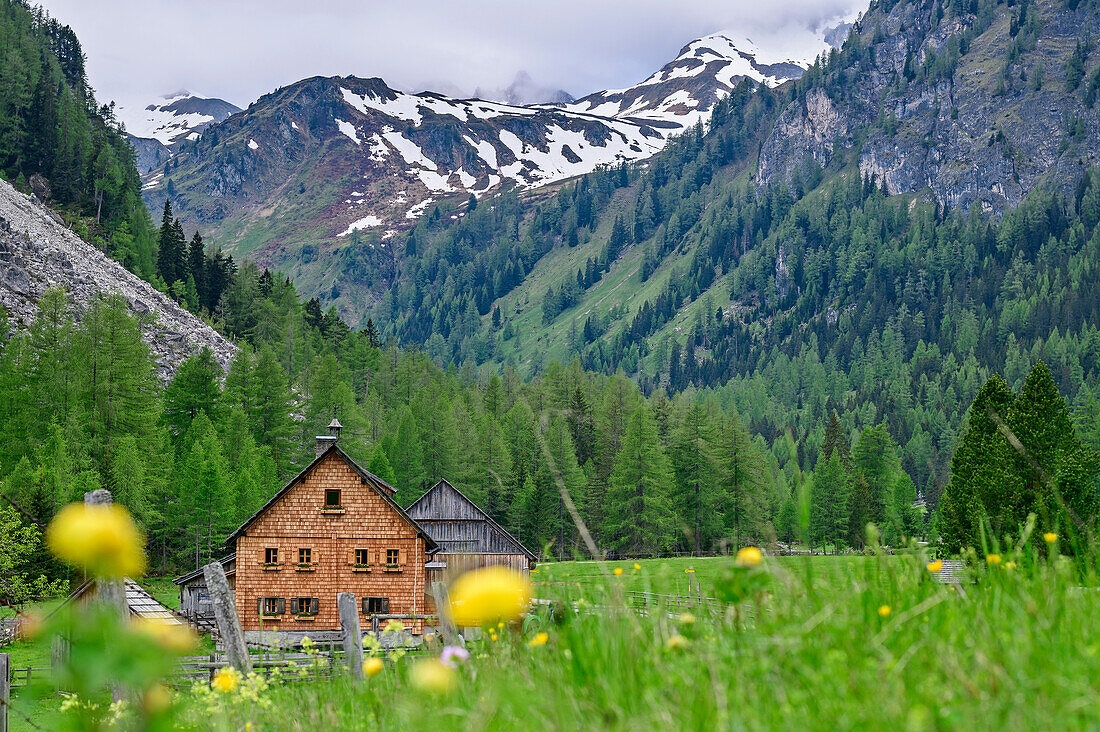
(194, 574)
(444, 504)
(140, 603)
(384, 489)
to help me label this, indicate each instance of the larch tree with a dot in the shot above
(640, 518)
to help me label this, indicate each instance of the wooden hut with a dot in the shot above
(195, 601)
(469, 538)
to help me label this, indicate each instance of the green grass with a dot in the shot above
(1014, 650)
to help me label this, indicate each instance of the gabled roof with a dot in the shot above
(185, 578)
(477, 509)
(381, 487)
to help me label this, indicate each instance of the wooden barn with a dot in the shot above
(468, 537)
(334, 527)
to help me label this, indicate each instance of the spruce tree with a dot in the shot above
(640, 519)
(695, 466)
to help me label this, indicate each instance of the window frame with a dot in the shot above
(310, 603)
(396, 554)
(269, 607)
(381, 603)
(363, 554)
(271, 556)
(305, 556)
(339, 498)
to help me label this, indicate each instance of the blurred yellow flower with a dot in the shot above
(935, 566)
(884, 611)
(993, 558)
(539, 639)
(226, 680)
(430, 675)
(372, 667)
(750, 556)
(156, 699)
(175, 637)
(103, 539)
(1010, 565)
(487, 595)
(687, 618)
(637, 566)
(493, 637)
(394, 626)
(677, 642)
(618, 571)
(1050, 537)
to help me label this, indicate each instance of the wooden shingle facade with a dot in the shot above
(467, 536)
(334, 528)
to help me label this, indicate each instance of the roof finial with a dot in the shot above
(334, 426)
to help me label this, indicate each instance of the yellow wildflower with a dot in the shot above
(993, 558)
(487, 595)
(493, 637)
(430, 675)
(156, 699)
(500, 624)
(175, 637)
(226, 680)
(884, 611)
(935, 566)
(1010, 565)
(394, 626)
(1050, 537)
(750, 556)
(103, 539)
(618, 571)
(539, 639)
(687, 618)
(372, 667)
(637, 566)
(677, 642)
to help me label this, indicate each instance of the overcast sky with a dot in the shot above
(240, 49)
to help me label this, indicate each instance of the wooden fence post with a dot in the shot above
(443, 610)
(5, 690)
(110, 592)
(353, 636)
(225, 614)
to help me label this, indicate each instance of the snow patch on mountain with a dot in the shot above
(175, 117)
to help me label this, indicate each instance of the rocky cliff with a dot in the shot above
(37, 252)
(978, 101)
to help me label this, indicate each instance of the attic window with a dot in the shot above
(332, 498)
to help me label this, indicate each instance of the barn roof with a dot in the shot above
(185, 578)
(421, 511)
(381, 487)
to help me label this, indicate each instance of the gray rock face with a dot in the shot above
(37, 253)
(986, 132)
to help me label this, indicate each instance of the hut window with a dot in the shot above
(376, 605)
(304, 605)
(271, 555)
(392, 557)
(305, 555)
(332, 498)
(361, 558)
(272, 605)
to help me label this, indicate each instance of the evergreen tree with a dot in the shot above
(695, 466)
(640, 517)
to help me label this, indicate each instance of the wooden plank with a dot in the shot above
(353, 636)
(5, 690)
(225, 613)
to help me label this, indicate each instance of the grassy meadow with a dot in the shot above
(828, 643)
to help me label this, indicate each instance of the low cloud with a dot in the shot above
(138, 49)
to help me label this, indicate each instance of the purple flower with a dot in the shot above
(452, 655)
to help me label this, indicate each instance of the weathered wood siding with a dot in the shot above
(297, 520)
(459, 526)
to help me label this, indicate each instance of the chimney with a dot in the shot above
(324, 442)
